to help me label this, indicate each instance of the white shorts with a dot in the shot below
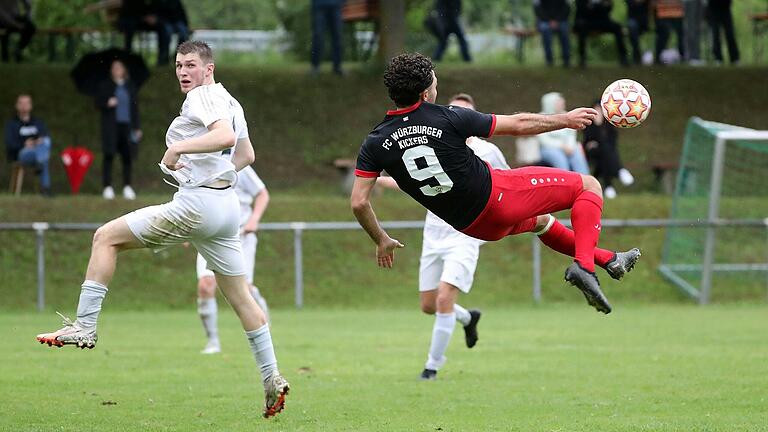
(450, 257)
(207, 218)
(249, 256)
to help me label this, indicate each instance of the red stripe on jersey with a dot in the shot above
(493, 126)
(366, 174)
(405, 110)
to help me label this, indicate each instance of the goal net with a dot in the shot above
(720, 209)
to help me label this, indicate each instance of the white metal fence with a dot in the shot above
(298, 228)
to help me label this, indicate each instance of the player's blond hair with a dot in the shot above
(198, 47)
(462, 97)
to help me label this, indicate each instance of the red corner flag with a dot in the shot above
(76, 160)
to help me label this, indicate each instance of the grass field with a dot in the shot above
(553, 368)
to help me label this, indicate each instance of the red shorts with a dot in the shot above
(519, 195)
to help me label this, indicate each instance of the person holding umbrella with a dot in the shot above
(120, 126)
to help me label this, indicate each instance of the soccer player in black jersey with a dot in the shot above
(422, 146)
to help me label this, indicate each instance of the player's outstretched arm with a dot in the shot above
(533, 124)
(220, 136)
(361, 207)
(244, 154)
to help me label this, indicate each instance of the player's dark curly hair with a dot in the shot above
(408, 75)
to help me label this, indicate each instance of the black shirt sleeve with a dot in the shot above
(366, 162)
(472, 123)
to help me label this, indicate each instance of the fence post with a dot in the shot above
(40, 228)
(536, 269)
(298, 267)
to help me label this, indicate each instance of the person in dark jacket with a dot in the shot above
(120, 127)
(601, 145)
(326, 14)
(173, 16)
(594, 16)
(637, 24)
(14, 20)
(449, 13)
(719, 15)
(552, 16)
(136, 15)
(27, 140)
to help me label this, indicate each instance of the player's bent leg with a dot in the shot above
(108, 240)
(561, 239)
(254, 322)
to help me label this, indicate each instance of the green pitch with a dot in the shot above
(555, 368)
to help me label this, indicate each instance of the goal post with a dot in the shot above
(722, 177)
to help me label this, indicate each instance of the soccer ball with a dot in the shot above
(625, 103)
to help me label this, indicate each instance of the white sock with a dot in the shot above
(462, 315)
(209, 315)
(441, 336)
(261, 346)
(88, 307)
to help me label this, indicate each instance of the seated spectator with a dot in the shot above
(559, 149)
(594, 16)
(27, 140)
(138, 15)
(120, 131)
(637, 24)
(552, 16)
(668, 15)
(12, 20)
(174, 17)
(601, 145)
(719, 15)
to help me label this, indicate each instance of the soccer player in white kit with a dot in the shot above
(207, 144)
(447, 264)
(254, 198)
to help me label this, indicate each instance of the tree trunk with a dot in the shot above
(392, 28)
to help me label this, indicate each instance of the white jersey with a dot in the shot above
(436, 227)
(203, 106)
(248, 186)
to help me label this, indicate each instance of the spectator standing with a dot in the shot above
(138, 15)
(14, 20)
(719, 16)
(326, 14)
(559, 149)
(637, 24)
(594, 16)
(173, 16)
(449, 13)
(27, 140)
(601, 145)
(669, 17)
(120, 127)
(552, 17)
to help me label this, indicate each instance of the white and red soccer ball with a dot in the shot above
(625, 103)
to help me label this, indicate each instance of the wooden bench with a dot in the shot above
(521, 35)
(346, 168)
(665, 174)
(363, 11)
(17, 178)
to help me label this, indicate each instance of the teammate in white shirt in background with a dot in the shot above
(447, 264)
(207, 144)
(254, 198)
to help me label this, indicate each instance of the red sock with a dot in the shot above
(561, 239)
(585, 218)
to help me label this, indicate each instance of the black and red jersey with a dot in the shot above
(423, 147)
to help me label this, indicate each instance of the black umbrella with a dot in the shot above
(95, 67)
